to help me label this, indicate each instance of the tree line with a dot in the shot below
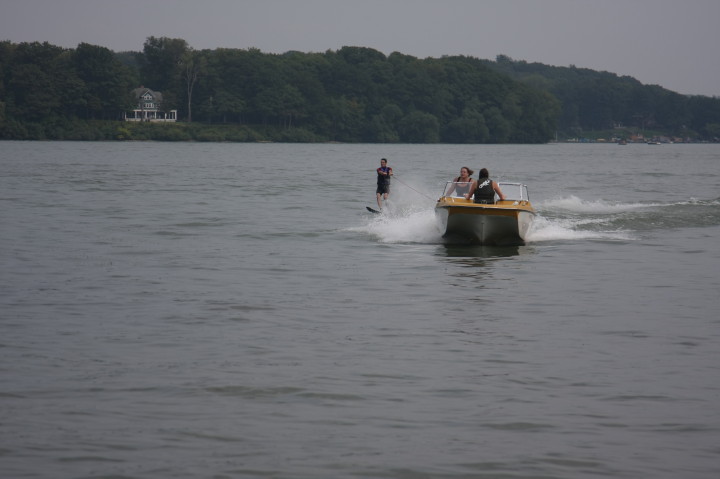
(594, 100)
(354, 94)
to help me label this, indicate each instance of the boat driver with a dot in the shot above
(484, 189)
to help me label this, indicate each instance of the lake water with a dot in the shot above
(173, 310)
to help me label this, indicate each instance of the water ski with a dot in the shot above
(373, 211)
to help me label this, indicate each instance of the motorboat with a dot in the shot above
(505, 222)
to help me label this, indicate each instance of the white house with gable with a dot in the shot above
(149, 107)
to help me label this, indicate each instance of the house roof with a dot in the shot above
(138, 92)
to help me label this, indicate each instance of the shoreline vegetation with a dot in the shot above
(351, 95)
(114, 130)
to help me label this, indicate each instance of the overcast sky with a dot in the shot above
(672, 43)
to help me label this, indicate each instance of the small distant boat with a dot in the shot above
(504, 223)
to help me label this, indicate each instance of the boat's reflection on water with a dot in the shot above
(479, 251)
(476, 261)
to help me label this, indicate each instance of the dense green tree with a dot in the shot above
(353, 94)
(33, 97)
(498, 126)
(41, 83)
(347, 118)
(592, 100)
(383, 126)
(712, 130)
(419, 127)
(106, 81)
(161, 62)
(705, 115)
(229, 106)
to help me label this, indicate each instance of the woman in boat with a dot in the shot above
(484, 189)
(461, 185)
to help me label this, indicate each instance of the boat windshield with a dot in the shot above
(457, 188)
(512, 191)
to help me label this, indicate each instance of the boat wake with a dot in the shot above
(571, 218)
(575, 205)
(404, 226)
(562, 219)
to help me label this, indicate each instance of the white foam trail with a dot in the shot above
(409, 215)
(573, 204)
(407, 227)
(544, 229)
(409, 219)
(421, 227)
(696, 201)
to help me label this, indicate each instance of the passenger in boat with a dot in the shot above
(383, 182)
(484, 189)
(461, 185)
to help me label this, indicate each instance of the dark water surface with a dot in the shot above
(231, 310)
